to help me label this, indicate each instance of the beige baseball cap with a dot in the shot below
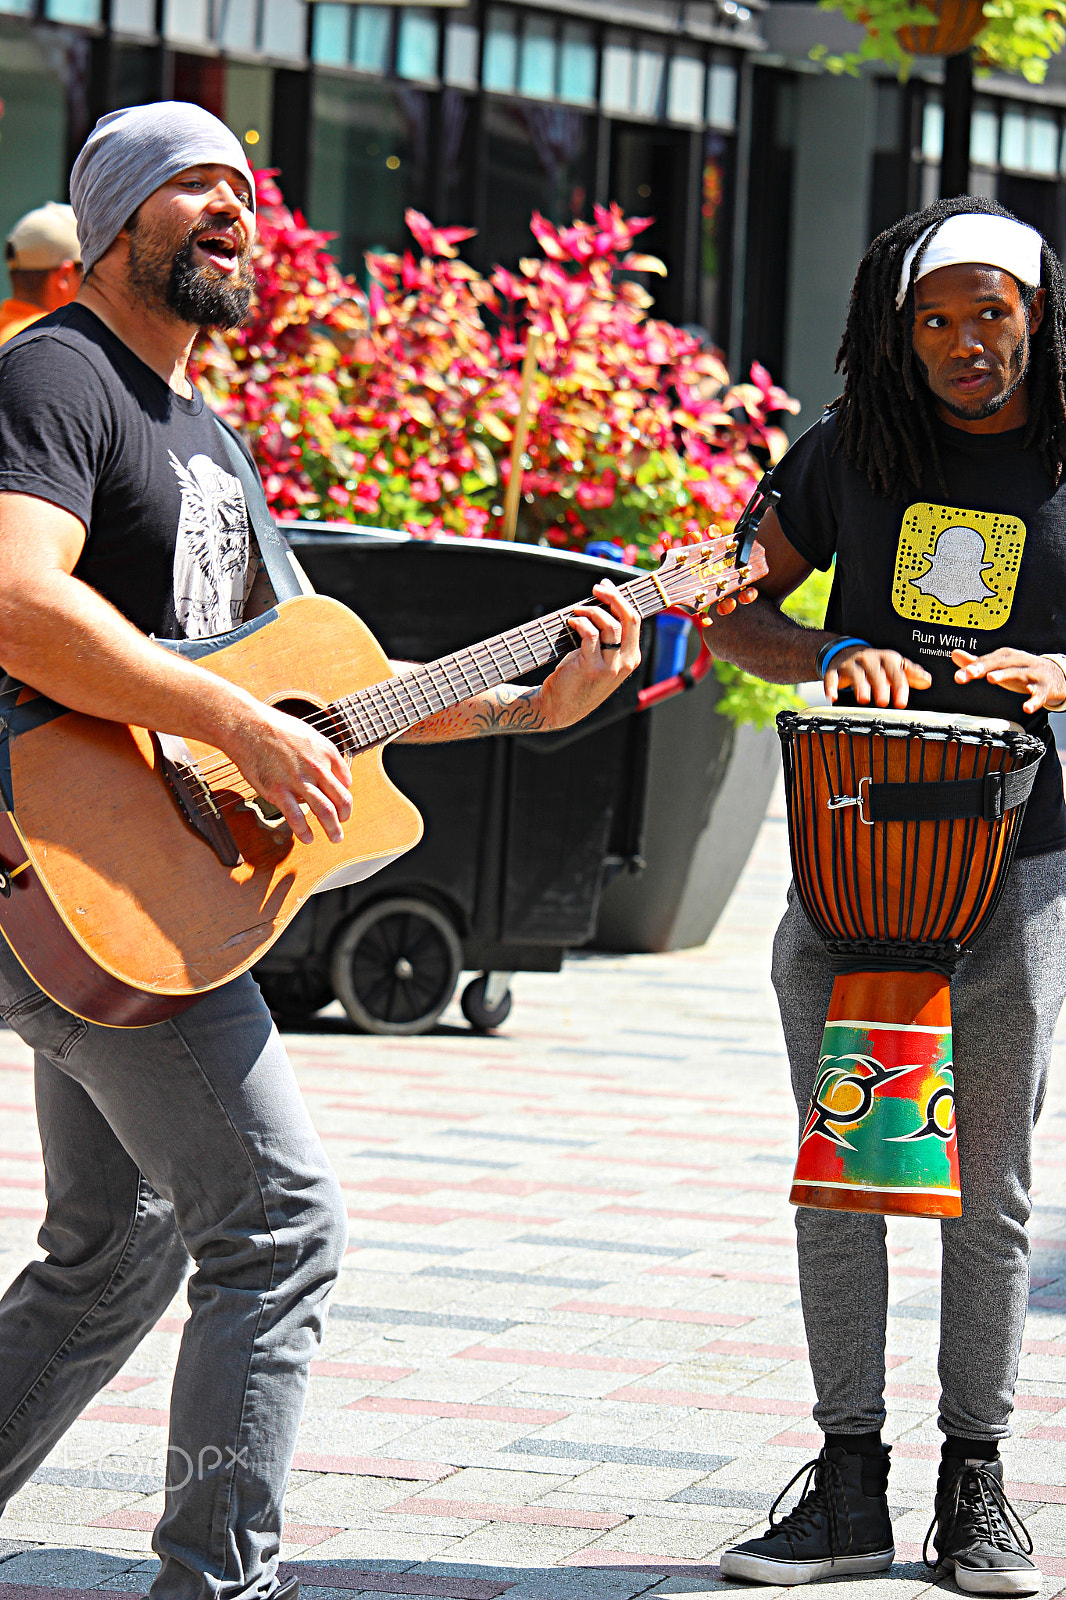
(44, 239)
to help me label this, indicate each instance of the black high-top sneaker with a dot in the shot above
(840, 1525)
(979, 1535)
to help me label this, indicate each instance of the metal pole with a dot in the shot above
(958, 109)
(518, 444)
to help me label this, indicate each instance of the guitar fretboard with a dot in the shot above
(383, 710)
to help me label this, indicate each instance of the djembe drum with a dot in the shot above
(901, 829)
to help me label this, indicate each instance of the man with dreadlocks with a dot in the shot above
(952, 422)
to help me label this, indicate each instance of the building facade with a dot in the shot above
(766, 177)
(476, 114)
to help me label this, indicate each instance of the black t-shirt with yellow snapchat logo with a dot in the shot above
(975, 562)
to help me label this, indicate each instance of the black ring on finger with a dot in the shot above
(605, 647)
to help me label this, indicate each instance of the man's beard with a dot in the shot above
(1017, 368)
(194, 295)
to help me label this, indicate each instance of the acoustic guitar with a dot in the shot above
(138, 871)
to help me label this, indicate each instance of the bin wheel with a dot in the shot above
(295, 994)
(395, 966)
(480, 1016)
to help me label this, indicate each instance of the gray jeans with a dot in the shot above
(1005, 999)
(189, 1138)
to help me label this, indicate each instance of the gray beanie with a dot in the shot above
(130, 153)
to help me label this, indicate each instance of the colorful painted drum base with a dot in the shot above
(879, 1134)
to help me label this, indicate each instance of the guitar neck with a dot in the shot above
(383, 710)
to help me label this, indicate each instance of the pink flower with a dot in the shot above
(436, 241)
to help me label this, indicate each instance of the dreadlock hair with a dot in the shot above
(885, 414)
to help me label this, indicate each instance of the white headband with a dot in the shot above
(980, 238)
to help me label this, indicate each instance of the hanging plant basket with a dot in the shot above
(957, 26)
(1019, 36)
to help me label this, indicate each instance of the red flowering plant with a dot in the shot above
(397, 408)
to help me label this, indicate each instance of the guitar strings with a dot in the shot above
(338, 711)
(242, 791)
(219, 770)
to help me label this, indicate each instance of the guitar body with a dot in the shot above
(117, 907)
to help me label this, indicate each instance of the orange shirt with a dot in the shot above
(16, 315)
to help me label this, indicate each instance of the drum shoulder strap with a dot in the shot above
(990, 797)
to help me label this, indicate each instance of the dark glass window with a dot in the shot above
(536, 158)
(369, 163)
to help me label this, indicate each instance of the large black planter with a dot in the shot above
(706, 787)
(532, 845)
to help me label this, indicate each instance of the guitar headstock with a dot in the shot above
(697, 576)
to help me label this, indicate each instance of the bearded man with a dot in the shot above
(952, 421)
(120, 518)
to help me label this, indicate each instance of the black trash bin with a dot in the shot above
(521, 834)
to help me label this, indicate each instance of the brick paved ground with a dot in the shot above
(566, 1355)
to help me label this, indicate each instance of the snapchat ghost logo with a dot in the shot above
(957, 567)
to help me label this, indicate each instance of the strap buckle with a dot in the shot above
(837, 802)
(992, 810)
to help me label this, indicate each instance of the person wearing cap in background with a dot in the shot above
(121, 516)
(44, 264)
(952, 421)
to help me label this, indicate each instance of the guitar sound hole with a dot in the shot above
(307, 711)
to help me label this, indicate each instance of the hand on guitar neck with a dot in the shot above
(609, 651)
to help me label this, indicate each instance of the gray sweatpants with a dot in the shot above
(188, 1139)
(1005, 999)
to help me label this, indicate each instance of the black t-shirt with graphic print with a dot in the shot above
(975, 563)
(87, 426)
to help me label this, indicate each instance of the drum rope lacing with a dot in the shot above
(967, 835)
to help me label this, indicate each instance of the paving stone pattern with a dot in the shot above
(566, 1354)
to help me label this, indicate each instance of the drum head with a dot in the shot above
(936, 722)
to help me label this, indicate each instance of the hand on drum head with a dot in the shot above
(1041, 681)
(875, 677)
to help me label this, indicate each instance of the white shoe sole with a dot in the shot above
(1022, 1580)
(760, 1569)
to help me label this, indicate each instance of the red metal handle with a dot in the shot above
(687, 678)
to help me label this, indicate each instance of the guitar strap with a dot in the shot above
(275, 551)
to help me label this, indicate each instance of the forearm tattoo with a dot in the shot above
(502, 710)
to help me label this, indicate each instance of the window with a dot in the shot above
(235, 24)
(984, 137)
(330, 39)
(133, 16)
(932, 131)
(460, 54)
(634, 76)
(684, 100)
(418, 45)
(284, 29)
(536, 76)
(615, 90)
(722, 95)
(650, 68)
(577, 72)
(1043, 143)
(371, 38)
(501, 50)
(186, 20)
(84, 13)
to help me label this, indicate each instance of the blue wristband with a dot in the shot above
(833, 648)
